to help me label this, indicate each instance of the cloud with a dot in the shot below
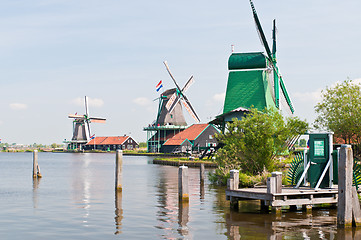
(142, 101)
(92, 102)
(18, 106)
(219, 97)
(145, 103)
(313, 96)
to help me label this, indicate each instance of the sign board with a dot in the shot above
(319, 149)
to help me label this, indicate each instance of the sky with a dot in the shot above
(55, 52)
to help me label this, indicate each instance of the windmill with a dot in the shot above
(170, 119)
(170, 108)
(254, 80)
(81, 127)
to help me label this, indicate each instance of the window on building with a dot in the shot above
(123, 146)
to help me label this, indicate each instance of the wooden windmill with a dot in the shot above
(170, 118)
(254, 80)
(81, 127)
(170, 110)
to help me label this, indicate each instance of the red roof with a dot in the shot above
(190, 133)
(118, 140)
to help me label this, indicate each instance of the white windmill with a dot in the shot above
(81, 127)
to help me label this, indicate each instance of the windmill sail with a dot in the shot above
(260, 31)
(178, 95)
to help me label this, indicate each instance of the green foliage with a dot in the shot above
(142, 145)
(252, 143)
(340, 111)
(245, 180)
(303, 143)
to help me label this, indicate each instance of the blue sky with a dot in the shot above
(54, 52)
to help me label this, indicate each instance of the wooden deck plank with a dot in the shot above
(288, 196)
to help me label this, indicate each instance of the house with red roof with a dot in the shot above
(112, 143)
(195, 138)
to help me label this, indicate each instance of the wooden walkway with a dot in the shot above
(289, 196)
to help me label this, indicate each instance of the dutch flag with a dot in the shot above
(92, 137)
(159, 86)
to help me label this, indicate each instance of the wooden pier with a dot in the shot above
(289, 196)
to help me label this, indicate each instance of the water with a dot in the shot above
(75, 199)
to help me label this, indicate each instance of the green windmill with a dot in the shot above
(254, 80)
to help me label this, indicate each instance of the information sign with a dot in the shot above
(319, 148)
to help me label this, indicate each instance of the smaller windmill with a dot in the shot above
(170, 110)
(170, 118)
(81, 127)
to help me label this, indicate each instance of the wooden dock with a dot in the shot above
(289, 196)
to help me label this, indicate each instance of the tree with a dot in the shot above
(252, 143)
(303, 142)
(340, 111)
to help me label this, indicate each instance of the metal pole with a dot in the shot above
(305, 164)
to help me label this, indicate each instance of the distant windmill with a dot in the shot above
(81, 126)
(170, 119)
(170, 108)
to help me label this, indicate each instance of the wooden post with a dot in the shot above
(232, 184)
(36, 168)
(278, 181)
(344, 203)
(233, 181)
(201, 182)
(201, 172)
(356, 211)
(271, 185)
(118, 170)
(183, 183)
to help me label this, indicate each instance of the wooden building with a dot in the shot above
(195, 138)
(112, 143)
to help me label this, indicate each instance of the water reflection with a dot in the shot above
(81, 183)
(183, 218)
(250, 223)
(118, 212)
(36, 182)
(167, 201)
(201, 190)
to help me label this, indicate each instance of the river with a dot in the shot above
(75, 199)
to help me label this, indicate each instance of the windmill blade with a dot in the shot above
(97, 120)
(171, 100)
(274, 39)
(187, 85)
(260, 31)
(86, 106)
(189, 108)
(76, 116)
(167, 67)
(174, 105)
(185, 88)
